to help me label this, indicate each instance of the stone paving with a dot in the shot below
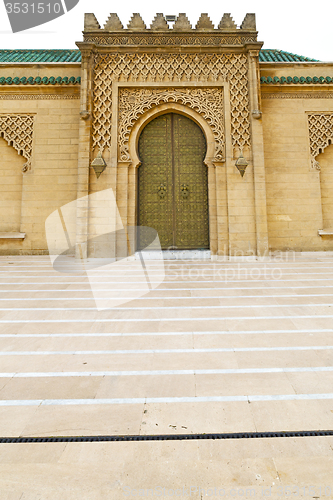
(217, 347)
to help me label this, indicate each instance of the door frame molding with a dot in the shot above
(126, 178)
(172, 107)
(163, 109)
(173, 168)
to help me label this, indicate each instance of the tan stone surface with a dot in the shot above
(103, 470)
(295, 201)
(52, 180)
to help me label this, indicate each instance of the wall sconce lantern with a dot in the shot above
(98, 164)
(241, 164)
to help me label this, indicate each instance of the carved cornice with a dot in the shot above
(296, 80)
(72, 80)
(23, 96)
(297, 95)
(145, 39)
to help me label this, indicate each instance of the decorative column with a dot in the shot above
(222, 209)
(82, 213)
(258, 154)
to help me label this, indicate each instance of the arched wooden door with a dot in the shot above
(173, 183)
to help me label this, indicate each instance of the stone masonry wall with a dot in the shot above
(52, 180)
(299, 195)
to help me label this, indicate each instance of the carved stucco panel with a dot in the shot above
(102, 105)
(172, 68)
(208, 102)
(17, 130)
(320, 135)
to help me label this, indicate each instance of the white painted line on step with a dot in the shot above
(165, 351)
(141, 401)
(159, 308)
(159, 289)
(162, 297)
(171, 282)
(123, 320)
(161, 334)
(114, 273)
(138, 373)
(185, 264)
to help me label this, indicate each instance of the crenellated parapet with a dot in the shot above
(163, 32)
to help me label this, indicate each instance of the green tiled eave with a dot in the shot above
(296, 79)
(74, 56)
(51, 80)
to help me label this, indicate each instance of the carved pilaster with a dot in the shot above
(84, 150)
(254, 77)
(257, 150)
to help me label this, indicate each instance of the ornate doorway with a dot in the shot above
(173, 182)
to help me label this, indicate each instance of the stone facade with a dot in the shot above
(269, 137)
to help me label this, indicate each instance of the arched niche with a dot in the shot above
(171, 108)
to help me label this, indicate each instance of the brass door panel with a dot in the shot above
(173, 183)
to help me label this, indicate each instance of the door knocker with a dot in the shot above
(161, 190)
(184, 191)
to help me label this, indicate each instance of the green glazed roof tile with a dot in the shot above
(35, 56)
(268, 55)
(59, 56)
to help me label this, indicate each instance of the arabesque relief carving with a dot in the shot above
(170, 68)
(320, 134)
(208, 102)
(17, 130)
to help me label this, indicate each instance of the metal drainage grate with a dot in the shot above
(164, 437)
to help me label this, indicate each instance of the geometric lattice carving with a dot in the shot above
(154, 67)
(17, 130)
(208, 102)
(320, 134)
(239, 100)
(102, 114)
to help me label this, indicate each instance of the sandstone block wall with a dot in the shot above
(10, 188)
(299, 197)
(28, 199)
